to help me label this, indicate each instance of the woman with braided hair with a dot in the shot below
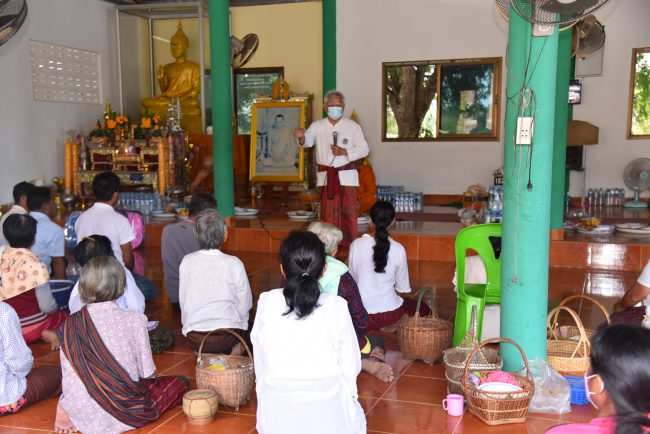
(378, 265)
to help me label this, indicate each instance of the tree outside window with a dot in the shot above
(639, 108)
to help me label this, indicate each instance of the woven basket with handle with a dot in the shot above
(567, 356)
(498, 408)
(424, 338)
(455, 359)
(571, 331)
(233, 386)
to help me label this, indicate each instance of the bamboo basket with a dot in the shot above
(455, 359)
(567, 356)
(571, 331)
(424, 338)
(233, 386)
(498, 408)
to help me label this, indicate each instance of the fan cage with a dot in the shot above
(550, 11)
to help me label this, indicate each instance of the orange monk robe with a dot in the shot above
(367, 186)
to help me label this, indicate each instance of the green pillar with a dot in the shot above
(221, 82)
(526, 212)
(558, 191)
(329, 45)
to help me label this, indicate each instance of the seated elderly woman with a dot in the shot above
(24, 283)
(109, 378)
(99, 245)
(214, 292)
(336, 279)
(21, 384)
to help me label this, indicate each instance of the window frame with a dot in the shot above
(496, 62)
(630, 99)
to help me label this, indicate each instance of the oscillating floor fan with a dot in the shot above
(637, 178)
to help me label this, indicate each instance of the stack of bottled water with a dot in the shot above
(494, 212)
(403, 201)
(143, 202)
(606, 197)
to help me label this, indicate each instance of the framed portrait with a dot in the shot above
(275, 154)
(248, 84)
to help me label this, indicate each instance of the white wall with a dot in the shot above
(605, 98)
(32, 132)
(373, 31)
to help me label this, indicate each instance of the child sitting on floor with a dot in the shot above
(617, 383)
(99, 245)
(20, 383)
(25, 283)
(378, 265)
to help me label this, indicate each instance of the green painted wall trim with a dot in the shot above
(558, 190)
(329, 45)
(526, 213)
(221, 106)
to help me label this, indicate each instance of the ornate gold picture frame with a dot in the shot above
(275, 154)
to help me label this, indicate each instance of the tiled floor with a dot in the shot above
(411, 404)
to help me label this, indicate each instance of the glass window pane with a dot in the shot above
(640, 122)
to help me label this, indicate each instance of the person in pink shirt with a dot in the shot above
(617, 383)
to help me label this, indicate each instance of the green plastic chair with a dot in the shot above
(476, 238)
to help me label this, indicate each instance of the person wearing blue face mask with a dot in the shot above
(339, 145)
(618, 383)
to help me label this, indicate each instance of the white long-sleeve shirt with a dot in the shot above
(213, 292)
(16, 359)
(350, 136)
(306, 369)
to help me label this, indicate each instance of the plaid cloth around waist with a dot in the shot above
(333, 183)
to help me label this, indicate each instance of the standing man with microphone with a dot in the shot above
(339, 144)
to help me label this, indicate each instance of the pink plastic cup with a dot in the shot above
(453, 405)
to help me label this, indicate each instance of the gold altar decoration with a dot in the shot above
(281, 89)
(162, 170)
(75, 163)
(180, 80)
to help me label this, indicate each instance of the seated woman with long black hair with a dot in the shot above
(617, 383)
(378, 264)
(306, 351)
(109, 378)
(24, 283)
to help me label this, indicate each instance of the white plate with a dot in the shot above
(363, 221)
(631, 226)
(163, 215)
(499, 387)
(644, 230)
(598, 230)
(246, 211)
(300, 215)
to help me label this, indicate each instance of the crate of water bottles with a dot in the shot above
(387, 192)
(143, 202)
(494, 211)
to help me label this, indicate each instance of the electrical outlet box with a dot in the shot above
(525, 130)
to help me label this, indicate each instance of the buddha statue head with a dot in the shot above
(179, 42)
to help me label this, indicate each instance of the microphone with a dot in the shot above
(335, 135)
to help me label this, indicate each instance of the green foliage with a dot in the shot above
(641, 99)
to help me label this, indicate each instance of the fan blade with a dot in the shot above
(576, 7)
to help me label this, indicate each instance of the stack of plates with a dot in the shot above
(363, 220)
(300, 215)
(244, 212)
(633, 228)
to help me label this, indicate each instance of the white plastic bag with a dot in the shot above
(552, 390)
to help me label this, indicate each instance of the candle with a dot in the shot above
(67, 166)
(75, 166)
(161, 166)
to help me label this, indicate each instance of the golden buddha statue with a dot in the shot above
(180, 79)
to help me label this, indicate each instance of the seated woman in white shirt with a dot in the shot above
(634, 306)
(306, 351)
(378, 265)
(214, 292)
(99, 245)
